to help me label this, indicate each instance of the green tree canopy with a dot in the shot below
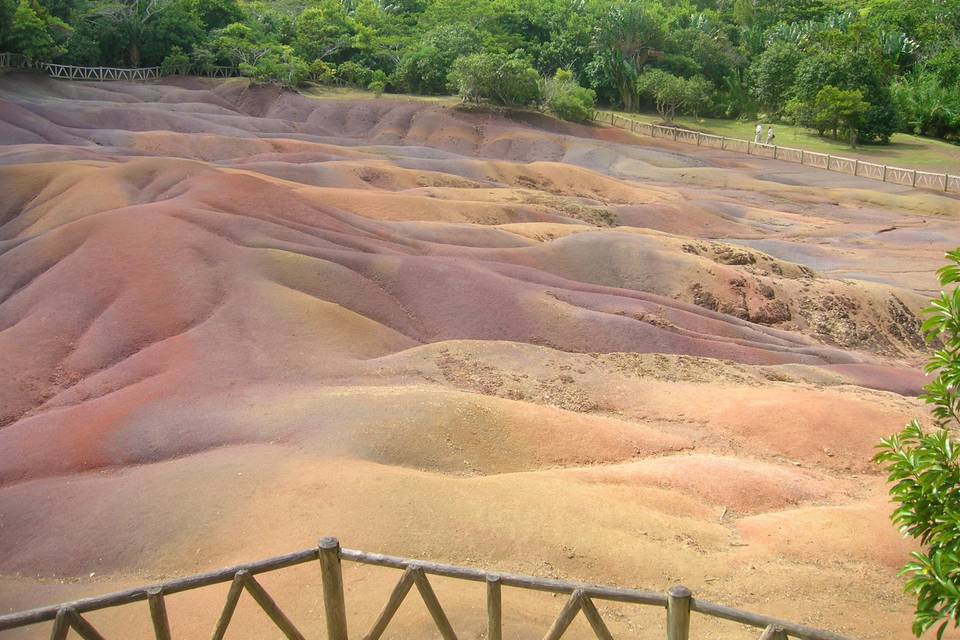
(671, 93)
(29, 34)
(772, 75)
(840, 110)
(496, 78)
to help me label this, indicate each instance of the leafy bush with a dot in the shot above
(671, 93)
(496, 78)
(926, 106)
(377, 87)
(839, 110)
(354, 74)
(425, 68)
(279, 66)
(924, 469)
(29, 34)
(176, 63)
(322, 72)
(567, 99)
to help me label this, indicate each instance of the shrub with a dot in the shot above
(567, 99)
(176, 63)
(837, 109)
(927, 107)
(377, 86)
(322, 72)
(280, 66)
(425, 67)
(354, 74)
(924, 469)
(496, 78)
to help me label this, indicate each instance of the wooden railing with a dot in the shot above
(944, 182)
(678, 602)
(136, 74)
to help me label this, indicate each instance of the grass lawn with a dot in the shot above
(352, 93)
(912, 152)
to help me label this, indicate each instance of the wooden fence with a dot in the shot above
(944, 182)
(138, 74)
(678, 602)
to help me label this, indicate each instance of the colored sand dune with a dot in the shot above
(234, 319)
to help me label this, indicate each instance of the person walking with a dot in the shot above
(770, 135)
(758, 133)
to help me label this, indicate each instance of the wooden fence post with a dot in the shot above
(494, 611)
(801, 156)
(946, 182)
(773, 632)
(333, 602)
(914, 177)
(856, 166)
(698, 139)
(158, 613)
(774, 152)
(678, 613)
(884, 178)
(723, 143)
(829, 157)
(748, 147)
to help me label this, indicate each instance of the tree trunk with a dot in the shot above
(134, 54)
(626, 95)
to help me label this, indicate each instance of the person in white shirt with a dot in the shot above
(770, 135)
(758, 134)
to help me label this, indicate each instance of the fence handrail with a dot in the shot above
(940, 181)
(678, 601)
(77, 72)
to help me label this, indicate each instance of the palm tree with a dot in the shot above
(627, 37)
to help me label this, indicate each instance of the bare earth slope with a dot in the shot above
(234, 319)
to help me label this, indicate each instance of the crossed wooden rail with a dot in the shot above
(678, 601)
(945, 182)
(142, 74)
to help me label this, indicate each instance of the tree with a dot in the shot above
(178, 25)
(849, 70)
(924, 470)
(133, 17)
(216, 14)
(672, 93)
(496, 78)
(425, 67)
(29, 34)
(567, 99)
(238, 44)
(627, 36)
(837, 109)
(772, 75)
(7, 9)
(323, 31)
